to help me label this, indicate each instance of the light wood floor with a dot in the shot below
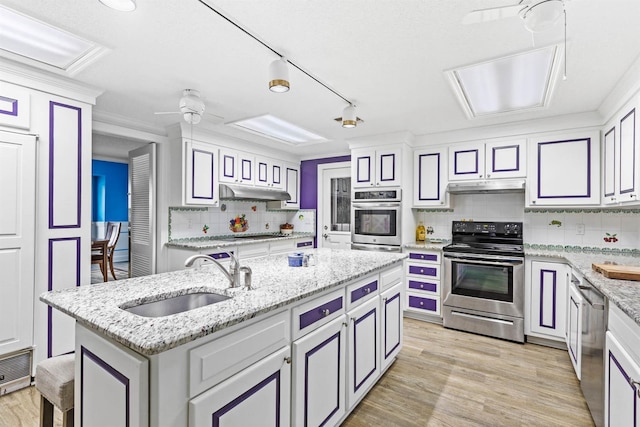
(441, 378)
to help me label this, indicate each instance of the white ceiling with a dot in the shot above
(387, 56)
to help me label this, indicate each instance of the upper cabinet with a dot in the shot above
(269, 173)
(491, 160)
(430, 177)
(200, 174)
(290, 184)
(564, 170)
(620, 158)
(376, 168)
(236, 167)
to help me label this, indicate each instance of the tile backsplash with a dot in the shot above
(600, 228)
(193, 223)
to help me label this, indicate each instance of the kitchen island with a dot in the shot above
(301, 348)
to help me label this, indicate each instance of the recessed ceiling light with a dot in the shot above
(510, 84)
(120, 5)
(36, 43)
(276, 128)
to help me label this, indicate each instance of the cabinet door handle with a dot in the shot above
(367, 291)
(325, 312)
(635, 384)
(287, 360)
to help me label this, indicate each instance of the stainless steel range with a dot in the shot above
(484, 279)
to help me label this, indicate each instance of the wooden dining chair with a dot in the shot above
(113, 233)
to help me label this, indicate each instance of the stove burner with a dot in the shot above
(496, 238)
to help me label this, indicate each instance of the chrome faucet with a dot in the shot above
(233, 275)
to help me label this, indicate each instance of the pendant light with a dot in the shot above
(120, 5)
(279, 76)
(349, 119)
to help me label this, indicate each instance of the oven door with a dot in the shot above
(486, 283)
(376, 223)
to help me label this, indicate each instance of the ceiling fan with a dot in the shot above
(192, 108)
(538, 15)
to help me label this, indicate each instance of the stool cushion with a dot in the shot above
(54, 380)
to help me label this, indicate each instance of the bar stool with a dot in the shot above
(54, 381)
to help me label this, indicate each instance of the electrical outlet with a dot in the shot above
(580, 229)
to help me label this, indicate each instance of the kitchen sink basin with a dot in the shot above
(174, 305)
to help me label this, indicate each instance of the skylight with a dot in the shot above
(30, 41)
(275, 128)
(510, 84)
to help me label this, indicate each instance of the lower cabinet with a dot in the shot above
(390, 324)
(319, 359)
(622, 387)
(363, 346)
(257, 396)
(547, 300)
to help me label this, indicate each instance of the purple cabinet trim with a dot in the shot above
(310, 317)
(262, 172)
(437, 197)
(276, 175)
(428, 304)
(339, 379)
(423, 271)
(373, 312)
(217, 415)
(541, 145)
(397, 321)
(455, 162)
(423, 286)
(220, 255)
(193, 174)
(631, 114)
(506, 147)
(425, 257)
(304, 244)
(52, 164)
(50, 284)
(84, 352)
(14, 106)
(232, 165)
(244, 162)
(553, 293)
(393, 169)
(626, 376)
(604, 162)
(361, 162)
(364, 290)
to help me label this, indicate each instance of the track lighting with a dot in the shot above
(279, 76)
(120, 5)
(349, 119)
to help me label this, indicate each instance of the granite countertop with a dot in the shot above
(623, 293)
(275, 285)
(427, 245)
(227, 241)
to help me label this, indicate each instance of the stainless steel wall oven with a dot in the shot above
(376, 218)
(484, 279)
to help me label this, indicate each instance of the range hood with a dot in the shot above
(494, 186)
(242, 192)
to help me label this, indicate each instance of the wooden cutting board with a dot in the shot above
(612, 271)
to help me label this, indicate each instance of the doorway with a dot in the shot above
(334, 205)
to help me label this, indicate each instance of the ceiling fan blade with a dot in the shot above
(167, 112)
(492, 14)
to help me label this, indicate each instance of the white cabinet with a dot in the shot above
(236, 167)
(269, 173)
(564, 170)
(200, 174)
(291, 185)
(547, 300)
(390, 324)
(490, 160)
(574, 327)
(258, 395)
(318, 390)
(376, 168)
(422, 276)
(363, 345)
(622, 371)
(621, 158)
(430, 177)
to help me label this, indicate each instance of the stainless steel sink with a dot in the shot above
(177, 304)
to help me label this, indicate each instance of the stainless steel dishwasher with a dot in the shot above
(594, 329)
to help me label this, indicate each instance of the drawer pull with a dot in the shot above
(287, 360)
(325, 312)
(421, 286)
(421, 303)
(422, 270)
(367, 290)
